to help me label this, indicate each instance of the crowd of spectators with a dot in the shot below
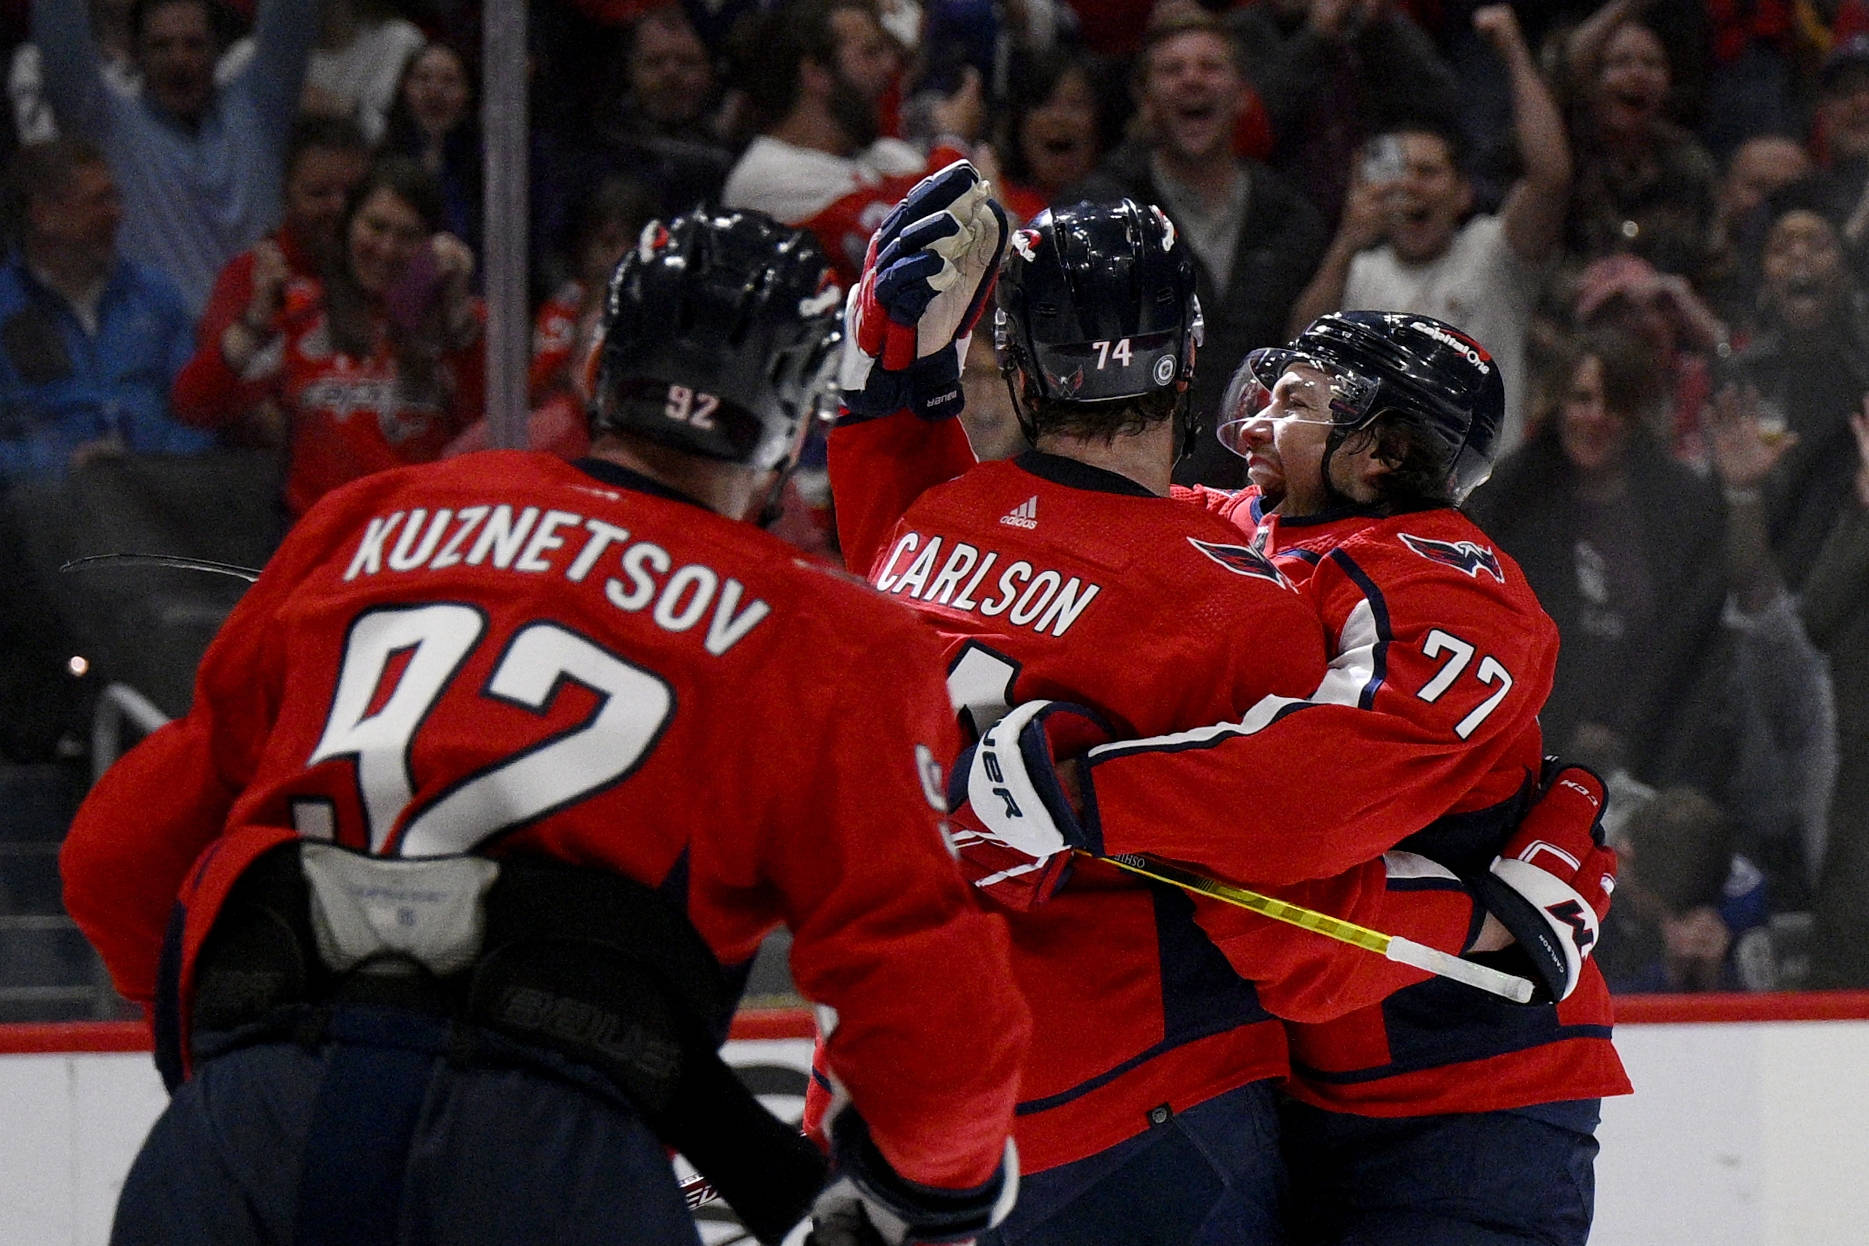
(253, 224)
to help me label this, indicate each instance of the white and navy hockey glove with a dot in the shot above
(930, 267)
(869, 1204)
(1012, 785)
(1551, 883)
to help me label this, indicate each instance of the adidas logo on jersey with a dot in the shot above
(1024, 515)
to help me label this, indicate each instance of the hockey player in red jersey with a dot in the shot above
(1146, 1102)
(493, 784)
(1361, 438)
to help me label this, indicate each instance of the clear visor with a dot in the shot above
(1277, 383)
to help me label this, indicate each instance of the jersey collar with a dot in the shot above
(623, 477)
(1073, 474)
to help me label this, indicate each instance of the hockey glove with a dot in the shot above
(1013, 789)
(925, 282)
(1551, 883)
(869, 1204)
(1010, 878)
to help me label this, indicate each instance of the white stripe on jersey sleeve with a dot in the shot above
(1351, 673)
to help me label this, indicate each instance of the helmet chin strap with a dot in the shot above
(774, 505)
(773, 508)
(1184, 431)
(1333, 496)
(1026, 424)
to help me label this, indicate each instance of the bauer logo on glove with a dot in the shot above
(1013, 783)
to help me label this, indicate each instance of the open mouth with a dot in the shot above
(1632, 99)
(1196, 112)
(1802, 293)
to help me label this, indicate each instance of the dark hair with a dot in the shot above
(1417, 477)
(617, 197)
(1680, 847)
(400, 133)
(1106, 420)
(767, 49)
(1634, 381)
(669, 15)
(1171, 21)
(1459, 150)
(322, 132)
(347, 309)
(44, 169)
(1031, 84)
(141, 9)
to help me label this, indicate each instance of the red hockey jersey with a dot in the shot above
(507, 652)
(1428, 721)
(1047, 578)
(349, 415)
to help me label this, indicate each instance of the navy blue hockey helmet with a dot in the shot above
(719, 337)
(1410, 367)
(1096, 304)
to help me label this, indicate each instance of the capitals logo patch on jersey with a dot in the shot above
(1242, 560)
(1464, 556)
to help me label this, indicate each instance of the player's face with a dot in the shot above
(867, 58)
(1284, 443)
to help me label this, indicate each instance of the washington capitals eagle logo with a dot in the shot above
(1460, 555)
(1025, 243)
(1242, 560)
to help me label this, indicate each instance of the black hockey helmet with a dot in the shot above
(1096, 304)
(1414, 368)
(719, 337)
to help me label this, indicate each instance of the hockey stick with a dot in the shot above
(1393, 947)
(97, 561)
(698, 1191)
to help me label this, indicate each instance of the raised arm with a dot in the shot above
(929, 270)
(284, 32)
(72, 68)
(1583, 51)
(1365, 213)
(1838, 583)
(1535, 206)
